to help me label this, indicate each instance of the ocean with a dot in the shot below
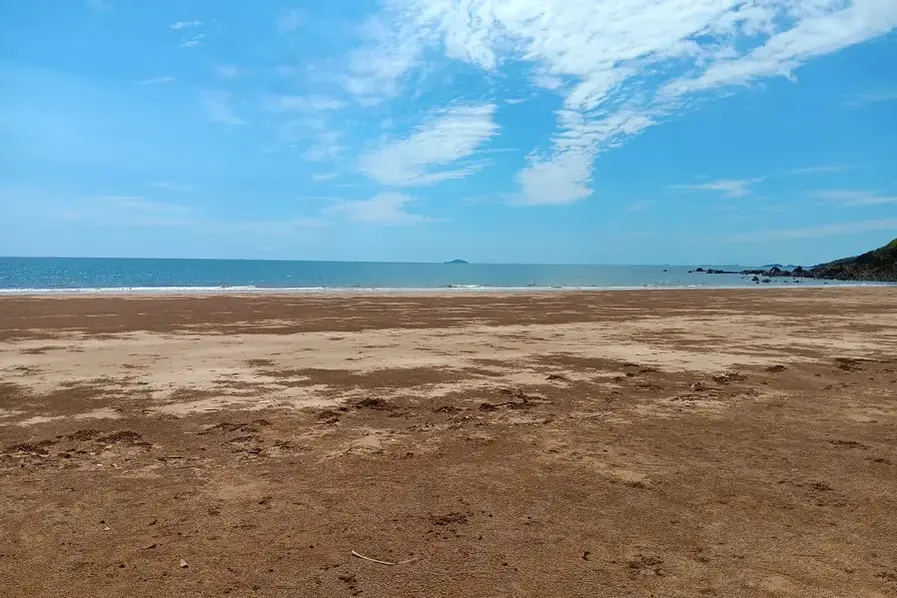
(19, 275)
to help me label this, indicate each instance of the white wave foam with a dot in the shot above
(470, 288)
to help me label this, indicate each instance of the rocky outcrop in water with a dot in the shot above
(878, 265)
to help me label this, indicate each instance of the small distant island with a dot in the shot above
(457, 262)
(878, 265)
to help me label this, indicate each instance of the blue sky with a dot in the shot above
(552, 131)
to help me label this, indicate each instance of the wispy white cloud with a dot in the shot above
(123, 211)
(311, 128)
(287, 71)
(814, 232)
(311, 103)
(290, 21)
(140, 204)
(560, 179)
(170, 186)
(227, 71)
(324, 176)
(819, 27)
(726, 187)
(546, 81)
(563, 175)
(156, 80)
(193, 42)
(326, 146)
(218, 109)
(264, 228)
(137, 211)
(383, 208)
(619, 67)
(185, 25)
(640, 206)
(435, 151)
(393, 46)
(878, 96)
(856, 198)
(821, 169)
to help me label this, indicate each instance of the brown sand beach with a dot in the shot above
(648, 443)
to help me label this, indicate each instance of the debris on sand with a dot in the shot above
(82, 435)
(848, 364)
(728, 377)
(517, 400)
(373, 560)
(329, 416)
(449, 519)
(374, 403)
(31, 448)
(228, 427)
(645, 565)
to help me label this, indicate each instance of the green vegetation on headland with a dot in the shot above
(878, 265)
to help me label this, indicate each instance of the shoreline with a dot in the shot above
(199, 291)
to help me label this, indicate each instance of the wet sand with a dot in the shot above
(668, 443)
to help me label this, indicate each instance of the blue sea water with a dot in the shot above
(107, 274)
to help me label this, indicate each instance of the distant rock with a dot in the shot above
(458, 262)
(712, 271)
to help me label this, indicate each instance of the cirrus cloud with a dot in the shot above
(383, 208)
(436, 150)
(618, 68)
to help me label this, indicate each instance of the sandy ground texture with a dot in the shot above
(693, 443)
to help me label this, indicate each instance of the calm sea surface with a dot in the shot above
(91, 274)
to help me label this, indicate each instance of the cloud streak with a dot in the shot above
(170, 186)
(124, 211)
(879, 96)
(325, 147)
(218, 109)
(855, 198)
(156, 80)
(227, 71)
(383, 208)
(725, 187)
(325, 176)
(185, 25)
(310, 103)
(821, 169)
(290, 21)
(193, 42)
(816, 232)
(436, 150)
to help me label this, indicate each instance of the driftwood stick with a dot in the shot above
(367, 558)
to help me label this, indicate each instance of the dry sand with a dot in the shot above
(693, 443)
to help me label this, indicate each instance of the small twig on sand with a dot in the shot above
(367, 558)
